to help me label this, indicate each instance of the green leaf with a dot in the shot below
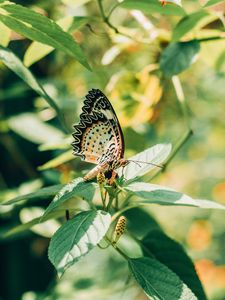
(16, 65)
(41, 29)
(158, 281)
(153, 193)
(78, 22)
(5, 35)
(77, 237)
(139, 221)
(45, 227)
(76, 188)
(41, 193)
(57, 161)
(37, 51)
(156, 155)
(153, 6)
(61, 144)
(178, 56)
(213, 2)
(32, 128)
(187, 23)
(172, 254)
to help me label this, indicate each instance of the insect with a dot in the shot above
(98, 137)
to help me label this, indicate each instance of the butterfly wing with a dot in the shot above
(98, 136)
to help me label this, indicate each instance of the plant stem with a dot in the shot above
(210, 38)
(121, 252)
(110, 202)
(112, 10)
(178, 146)
(103, 197)
(117, 248)
(106, 18)
(117, 31)
(117, 202)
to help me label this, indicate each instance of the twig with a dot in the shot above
(103, 196)
(116, 248)
(110, 202)
(211, 38)
(112, 10)
(106, 18)
(116, 30)
(177, 147)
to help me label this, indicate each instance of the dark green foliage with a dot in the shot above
(178, 56)
(172, 254)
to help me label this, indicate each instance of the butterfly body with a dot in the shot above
(105, 167)
(98, 137)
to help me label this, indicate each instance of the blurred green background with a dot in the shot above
(35, 152)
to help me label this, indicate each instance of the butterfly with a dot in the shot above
(98, 138)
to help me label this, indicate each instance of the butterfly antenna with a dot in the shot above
(145, 162)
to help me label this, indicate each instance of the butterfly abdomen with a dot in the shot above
(102, 168)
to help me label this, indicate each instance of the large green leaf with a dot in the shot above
(57, 161)
(172, 254)
(40, 28)
(76, 188)
(153, 193)
(43, 227)
(5, 35)
(187, 23)
(178, 56)
(158, 281)
(16, 65)
(37, 51)
(31, 127)
(153, 6)
(40, 194)
(142, 161)
(213, 2)
(77, 237)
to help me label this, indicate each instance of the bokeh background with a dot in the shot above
(35, 152)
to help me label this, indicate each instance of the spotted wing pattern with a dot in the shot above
(98, 137)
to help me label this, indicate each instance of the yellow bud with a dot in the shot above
(100, 178)
(120, 228)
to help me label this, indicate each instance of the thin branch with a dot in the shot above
(110, 202)
(112, 10)
(178, 146)
(211, 38)
(116, 30)
(116, 248)
(103, 196)
(106, 18)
